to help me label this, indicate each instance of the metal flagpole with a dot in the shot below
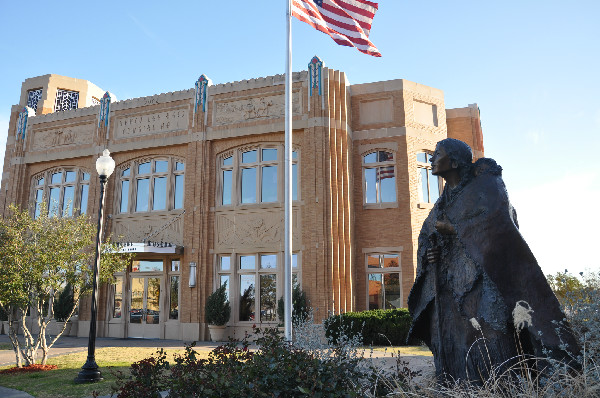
(287, 291)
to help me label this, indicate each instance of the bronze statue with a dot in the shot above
(480, 301)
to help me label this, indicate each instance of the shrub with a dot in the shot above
(300, 306)
(378, 327)
(64, 304)
(217, 309)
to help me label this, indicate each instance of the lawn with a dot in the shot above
(59, 383)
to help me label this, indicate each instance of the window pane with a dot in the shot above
(124, 196)
(39, 195)
(424, 189)
(40, 181)
(179, 191)
(294, 261)
(249, 156)
(86, 176)
(70, 176)
(391, 283)
(224, 279)
(388, 189)
(434, 187)
(84, 198)
(247, 262)
(179, 166)
(375, 292)
(269, 184)
(174, 298)
(153, 301)
(137, 300)
(383, 156)
(228, 161)
(248, 185)
(141, 202)
(391, 260)
(294, 182)
(294, 155)
(125, 172)
(247, 286)
(160, 193)
(161, 166)
(373, 261)
(118, 300)
(268, 300)
(269, 154)
(144, 168)
(370, 158)
(295, 281)
(175, 264)
(268, 261)
(370, 185)
(147, 266)
(53, 202)
(225, 263)
(227, 186)
(429, 157)
(56, 178)
(68, 200)
(421, 157)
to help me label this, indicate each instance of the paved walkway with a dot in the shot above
(68, 345)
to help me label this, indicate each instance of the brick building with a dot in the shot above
(197, 193)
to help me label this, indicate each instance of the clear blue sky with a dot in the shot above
(532, 67)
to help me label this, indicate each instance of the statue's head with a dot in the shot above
(450, 156)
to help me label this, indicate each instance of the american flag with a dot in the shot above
(348, 22)
(385, 172)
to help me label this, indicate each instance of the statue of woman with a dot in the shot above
(480, 301)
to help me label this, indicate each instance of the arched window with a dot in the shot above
(379, 177)
(151, 185)
(65, 191)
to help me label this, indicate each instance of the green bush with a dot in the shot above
(378, 327)
(217, 309)
(64, 304)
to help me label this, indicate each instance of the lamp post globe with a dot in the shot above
(105, 165)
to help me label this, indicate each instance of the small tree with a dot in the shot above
(217, 309)
(300, 306)
(38, 256)
(64, 304)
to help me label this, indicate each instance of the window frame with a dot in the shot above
(376, 165)
(382, 270)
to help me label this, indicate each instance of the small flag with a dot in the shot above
(348, 22)
(385, 172)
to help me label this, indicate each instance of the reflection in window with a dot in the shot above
(247, 287)
(174, 298)
(429, 186)
(118, 299)
(379, 177)
(146, 266)
(383, 277)
(268, 298)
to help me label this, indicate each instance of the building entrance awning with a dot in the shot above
(150, 247)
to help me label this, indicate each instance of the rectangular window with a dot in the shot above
(247, 262)
(247, 287)
(224, 279)
(227, 181)
(175, 264)
(70, 176)
(268, 299)
(144, 168)
(39, 196)
(269, 184)
(124, 196)
(383, 276)
(249, 185)
(68, 200)
(161, 166)
(84, 198)
(225, 263)
(268, 261)
(54, 202)
(159, 201)
(387, 185)
(143, 186)
(294, 182)
(179, 191)
(147, 266)
(174, 298)
(118, 300)
(56, 178)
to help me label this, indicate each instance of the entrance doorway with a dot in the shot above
(145, 307)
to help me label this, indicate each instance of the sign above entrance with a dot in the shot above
(149, 247)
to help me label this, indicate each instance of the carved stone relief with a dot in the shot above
(137, 228)
(257, 108)
(82, 134)
(249, 230)
(154, 123)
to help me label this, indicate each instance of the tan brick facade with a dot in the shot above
(338, 227)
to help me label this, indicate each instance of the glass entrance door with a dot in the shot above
(144, 309)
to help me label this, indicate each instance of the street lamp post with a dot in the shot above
(105, 165)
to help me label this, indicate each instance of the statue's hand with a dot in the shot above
(444, 227)
(433, 254)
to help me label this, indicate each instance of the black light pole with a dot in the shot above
(90, 373)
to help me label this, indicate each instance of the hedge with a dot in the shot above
(378, 327)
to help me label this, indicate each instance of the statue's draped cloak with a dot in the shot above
(483, 271)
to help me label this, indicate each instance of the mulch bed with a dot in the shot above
(28, 369)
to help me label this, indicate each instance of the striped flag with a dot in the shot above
(384, 172)
(348, 22)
